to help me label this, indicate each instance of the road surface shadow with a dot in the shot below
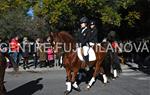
(28, 88)
(144, 69)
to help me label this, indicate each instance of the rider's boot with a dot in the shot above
(86, 58)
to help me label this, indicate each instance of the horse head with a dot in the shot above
(62, 41)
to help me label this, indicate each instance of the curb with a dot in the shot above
(35, 70)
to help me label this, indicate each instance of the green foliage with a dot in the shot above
(68, 12)
(110, 16)
(125, 3)
(6, 5)
(14, 22)
(132, 17)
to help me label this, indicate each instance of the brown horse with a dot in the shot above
(71, 61)
(2, 74)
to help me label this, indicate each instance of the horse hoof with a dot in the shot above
(66, 92)
(87, 88)
(78, 89)
(114, 78)
(106, 82)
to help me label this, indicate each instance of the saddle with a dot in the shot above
(86, 53)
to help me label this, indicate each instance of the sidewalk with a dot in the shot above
(56, 67)
(37, 69)
(124, 67)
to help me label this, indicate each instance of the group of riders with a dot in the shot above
(87, 35)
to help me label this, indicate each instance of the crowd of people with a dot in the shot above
(41, 49)
(22, 51)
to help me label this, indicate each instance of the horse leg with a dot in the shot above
(115, 65)
(97, 69)
(115, 74)
(68, 81)
(2, 88)
(105, 80)
(114, 71)
(75, 85)
(2, 74)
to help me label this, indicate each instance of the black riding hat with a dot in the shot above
(84, 20)
(92, 22)
(112, 33)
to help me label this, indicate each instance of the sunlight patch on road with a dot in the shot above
(131, 74)
(143, 78)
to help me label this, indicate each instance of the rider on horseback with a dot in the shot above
(93, 33)
(83, 36)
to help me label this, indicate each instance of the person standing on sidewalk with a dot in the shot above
(35, 54)
(14, 49)
(41, 54)
(49, 53)
(25, 52)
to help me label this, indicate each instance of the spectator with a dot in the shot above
(49, 53)
(14, 49)
(41, 54)
(25, 53)
(35, 55)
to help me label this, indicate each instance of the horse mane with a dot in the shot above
(66, 37)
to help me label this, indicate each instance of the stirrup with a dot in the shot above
(87, 68)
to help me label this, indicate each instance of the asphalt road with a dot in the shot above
(52, 82)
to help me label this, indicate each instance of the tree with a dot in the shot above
(14, 21)
(65, 14)
(69, 11)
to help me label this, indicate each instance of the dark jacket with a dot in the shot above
(25, 52)
(92, 35)
(82, 36)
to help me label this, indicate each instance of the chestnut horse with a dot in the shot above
(71, 61)
(3, 65)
